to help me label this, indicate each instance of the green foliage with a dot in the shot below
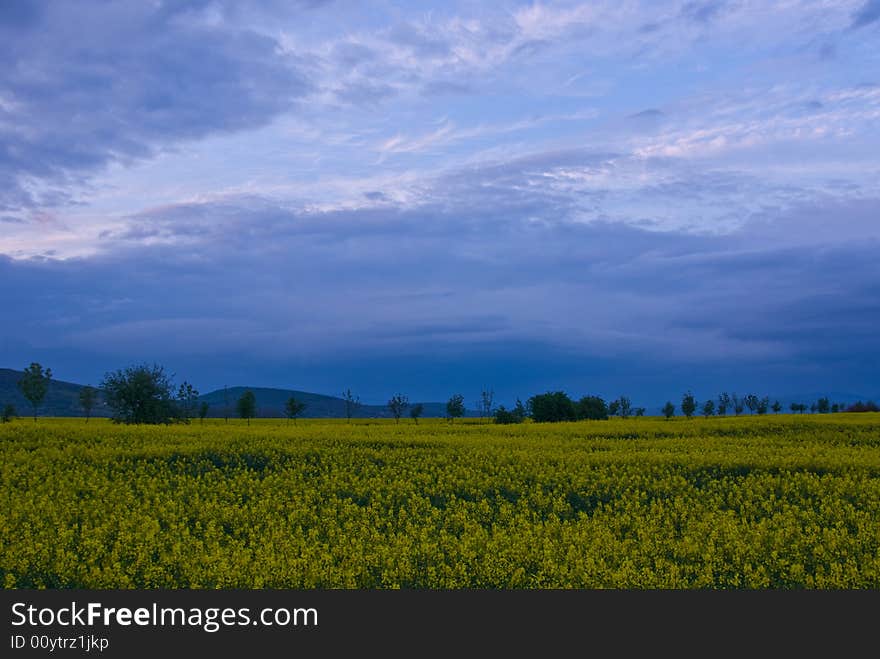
(34, 384)
(708, 408)
(140, 394)
(396, 405)
(591, 407)
(416, 411)
(551, 407)
(669, 409)
(777, 407)
(8, 413)
(688, 405)
(88, 396)
(516, 415)
(784, 502)
(454, 407)
(293, 408)
(247, 406)
(823, 406)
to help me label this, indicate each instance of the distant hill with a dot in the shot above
(270, 403)
(62, 398)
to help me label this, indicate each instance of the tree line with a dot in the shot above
(144, 394)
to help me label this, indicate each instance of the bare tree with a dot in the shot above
(352, 403)
(486, 403)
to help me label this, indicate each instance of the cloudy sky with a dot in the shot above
(608, 197)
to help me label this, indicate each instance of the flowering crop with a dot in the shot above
(781, 502)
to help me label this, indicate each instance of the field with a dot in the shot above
(769, 502)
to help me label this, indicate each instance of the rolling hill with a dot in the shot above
(62, 399)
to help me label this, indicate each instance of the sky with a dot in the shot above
(613, 198)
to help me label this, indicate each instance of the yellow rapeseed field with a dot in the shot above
(769, 502)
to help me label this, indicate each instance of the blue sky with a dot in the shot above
(608, 197)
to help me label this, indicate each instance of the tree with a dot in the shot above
(823, 405)
(624, 407)
(8, 413)
(505, 416)
(591, 407)
(87, 398)
(613, 407)
(669, 410)
(203, 410)
(777, 407)
(639, 411)
(551, 407)
(798, 407)
(140, 394)
(454, 407)
(835, 408)
(352, 403)
(738, 404)
(416, 411)
(247, 406)
(34, 384)
(762, 405)
(751, 402)
(813, 408)
(688, 405)
(396, 405)
(293, 408)
(723, 403)
(486, 403)
(708, 408)
(186, 399)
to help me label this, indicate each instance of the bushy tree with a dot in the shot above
(293, 408)
(140, 394)
(396, 405)
(516, 415)
(552, 406)
(8, 413)
(247, 406)
(34, 383)
(859, 406)
(708, 408)
(591, 407)
(88, 396)
(823, 405)
(416, 411)
(639, 411)
(454, 407)
(777, 407)
(613, 407)
(624, 407)
(669, 410)
(762, 405)
(723, 403)
(688, 405)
